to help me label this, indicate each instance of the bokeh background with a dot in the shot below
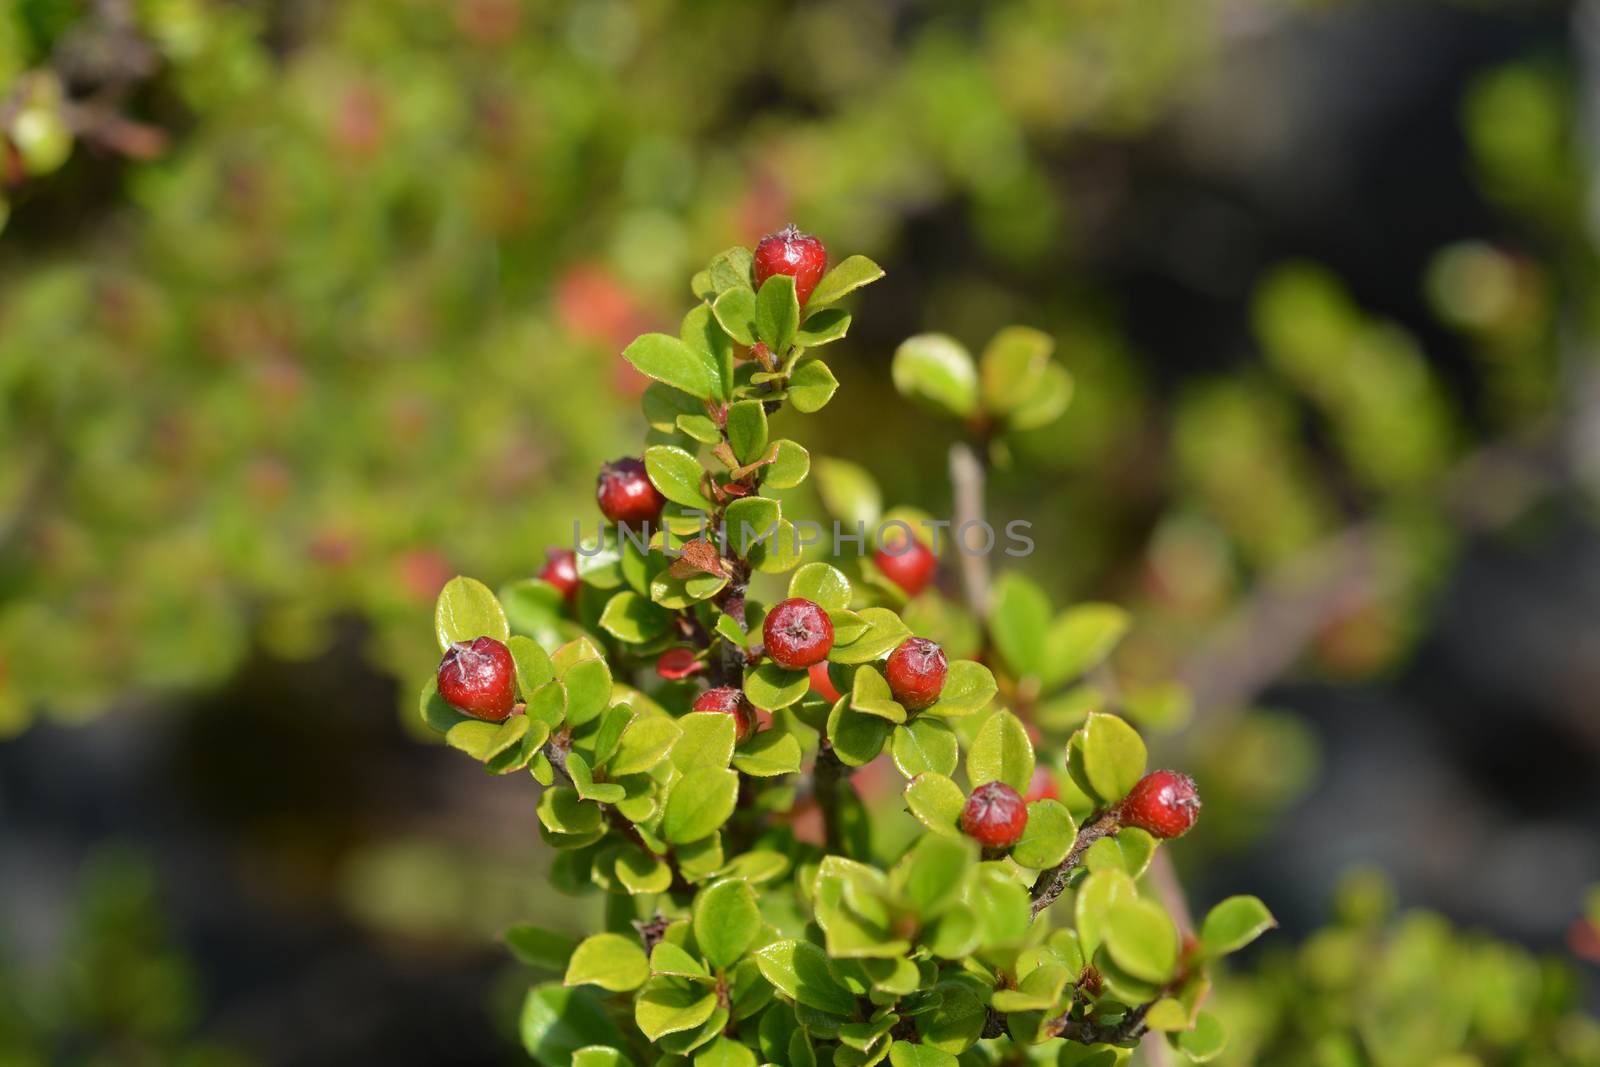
(307, 306)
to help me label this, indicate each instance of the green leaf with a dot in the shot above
(905, 1054)
(599, 1056)
(969, 686)
(923, 745)
(670, 958)
(485, 740)
(870, 695)
(467, 610)
(1047, 838)
(884, 631)
(640, 872)
(933, 875)
(1130, 851)
(1011, 367)
(706, 338)
(849, 493)
(725, 1052)
(609, 961)
(700, 802)
(534, 668)
(769, 754)
(672, 1005)
(538, 947)
(857, 739)
(1113, 756)
(747, 429)
(726, 921)
(707, 741)
(534, 608)
(1019, 617)
(633, 618)
(1233, 924)
(1047, 401)
(1001, 752)
(735, 309)
(780, 552)
(645, 742)
(789, 467)
(824, 585)
(849, 275)
(935, 371)
(957, 1023)
(677, 475)
(937, 802)
(669, 361)
(777, 313)
(822, 328)
(1096, 895)
(583, 781)
(548, 704)
(751, 520)
(800, 970)
(770, 687)
(1142, 940)
(588, 685)
(700, 427)
(730, 269)
(563, 811)
(1205, 1042)
(1167, 1014)
(811, 386)
(557, 1021)
(678, 594)
(1079, 639)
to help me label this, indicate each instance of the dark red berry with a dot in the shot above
(906, 561)
(626, 495)
(479, 678)
(730, 701)
(994, 816)
(822, 683)
(676, 663)
(799, 255)
(916, 672)
(797, 633)
(1043, 785)
(1164, 803)
(561, 570)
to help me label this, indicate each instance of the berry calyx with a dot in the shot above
(994, 816)
(822, 683)
(479, 678)
(799, 255)
(797, 633)
(1164, 803)
(730, 701)
(625, 494)
(908, 565)
(561, 570)
(1043, 785)
(916, 671)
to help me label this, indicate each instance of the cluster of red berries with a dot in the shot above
(1165, 804)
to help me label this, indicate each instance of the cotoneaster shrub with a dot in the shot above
(695, 717)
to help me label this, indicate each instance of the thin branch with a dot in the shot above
(555, 751)
(967, 478)
(1049, 886)
(826, 775)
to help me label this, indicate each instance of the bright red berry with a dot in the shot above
(730, 701)
(799, 255)
(797, 633)
(626, 495)
(910, 566)
(995, 816)
(479, 678)
(916, 671)
(561, 570)
(1043, 785)
(822, 683)
(1164, 803)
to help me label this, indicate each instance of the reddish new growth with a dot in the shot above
(797, 633)
(916, 672)
(561, 570)
(799, 255)
(994, 816)
(479, 678)
(906, 562)
(625, 494)
(730, 701)
(1164, 803)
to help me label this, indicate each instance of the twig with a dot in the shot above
(967, 479)
(555, 751)
(826, 774)
(1049, 886)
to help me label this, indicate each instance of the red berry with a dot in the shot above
(561, 570)
(1043, 785)
(1164, 803)
(916, 672)
(797, 633)
(799, 255)
(822, 683)
(910, 566)
(730, 701)
(479, 678)
(994, 816)
(626, 495)
(676, 663)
